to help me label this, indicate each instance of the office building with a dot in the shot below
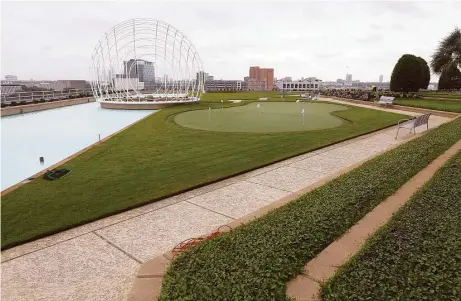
(11, 78)
(380, 78)
(348, 77)
(223, 85)
(305, 84)
(261, 77)
(141, 69)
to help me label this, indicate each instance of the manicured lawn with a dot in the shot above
(269, 117)
(153, 159)
(255, 261)
(417, 255)
(253, 95)
(450, 105)
(432, 94)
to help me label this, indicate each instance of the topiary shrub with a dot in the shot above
(407, 74)
(450, 78)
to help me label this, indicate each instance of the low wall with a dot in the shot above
(133, 106)
(8, 111)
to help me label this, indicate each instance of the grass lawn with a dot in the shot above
(255, 261)
(268, 117)
(417, 255)
(253, 95)
(432, 94)
(156, 158)
(450, 105)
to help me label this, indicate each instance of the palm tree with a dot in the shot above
(448, 55)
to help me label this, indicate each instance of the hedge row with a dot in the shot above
(417, 255)
(255, 261)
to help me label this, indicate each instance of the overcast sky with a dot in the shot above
(55, 40)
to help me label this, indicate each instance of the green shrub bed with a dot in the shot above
(417, 255)
(255, 261)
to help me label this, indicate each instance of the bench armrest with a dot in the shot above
(403, 120)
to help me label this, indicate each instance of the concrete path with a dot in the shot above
(99, 260)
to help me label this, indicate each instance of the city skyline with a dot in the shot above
(303, 41)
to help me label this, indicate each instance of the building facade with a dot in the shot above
(380, 78)
(308, 84)
(348, 77)
(265, 77)
(142, 69)
(223, 85)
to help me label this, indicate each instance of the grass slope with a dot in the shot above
(153, 159)
(450, 105)
(255, 261)
(416, 256)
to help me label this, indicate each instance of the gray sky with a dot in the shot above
(55, 40)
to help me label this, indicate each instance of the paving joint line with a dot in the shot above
(117, 247)
(265, 185)
(232, 218)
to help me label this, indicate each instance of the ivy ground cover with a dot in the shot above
(255, 261)
(416, 256)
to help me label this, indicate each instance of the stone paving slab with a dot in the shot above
(103, 256)
(288, 178)
(238, 199)
(84, 268)
(160, 230)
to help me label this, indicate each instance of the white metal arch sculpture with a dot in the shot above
(145, 63)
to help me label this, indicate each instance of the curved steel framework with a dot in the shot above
(146, 60)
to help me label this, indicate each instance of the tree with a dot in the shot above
(407, 74)
(447, 59)
(426, 73)
(450, 79)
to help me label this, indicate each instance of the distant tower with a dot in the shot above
(348, 77)
(380, 78)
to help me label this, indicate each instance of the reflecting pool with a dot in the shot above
(54, 135)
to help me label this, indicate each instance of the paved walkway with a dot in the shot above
(99, 260)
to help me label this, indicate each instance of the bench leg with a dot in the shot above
(398, 129)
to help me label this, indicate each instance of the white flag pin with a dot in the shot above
(297, 100)
(302, 111)
(258, 105)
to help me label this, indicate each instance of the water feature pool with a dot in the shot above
(55, 134)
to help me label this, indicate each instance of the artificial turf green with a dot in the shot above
(449, 105)
(264, 117)
(255, 261)
(250, 95)
(417, 255)
(153, 159)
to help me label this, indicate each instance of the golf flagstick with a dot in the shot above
(209, 113)
(302, 112)
(221, 105)
(259, 106)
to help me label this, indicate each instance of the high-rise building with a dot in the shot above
(262, 75)
(144, 70)
(380, 78)
(348, 77)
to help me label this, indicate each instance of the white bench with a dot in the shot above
(412, 124)
(386, 100)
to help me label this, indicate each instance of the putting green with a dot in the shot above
(267, 118)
